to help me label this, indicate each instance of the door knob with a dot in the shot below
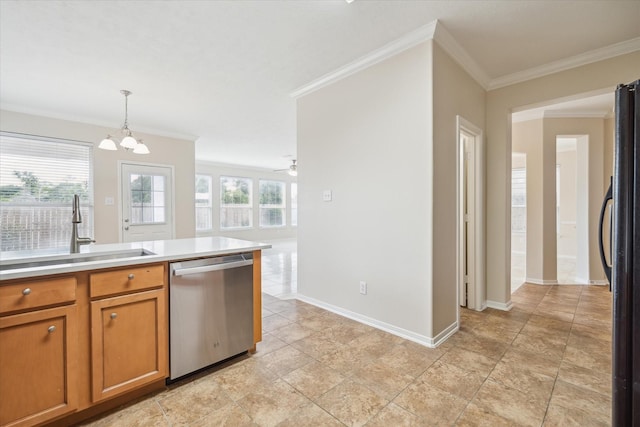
(126, 228)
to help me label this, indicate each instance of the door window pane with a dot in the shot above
(147, 199)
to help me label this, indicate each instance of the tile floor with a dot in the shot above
(546, 362)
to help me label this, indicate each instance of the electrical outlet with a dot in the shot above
(363, 288)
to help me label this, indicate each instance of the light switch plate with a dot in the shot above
(327, 196)
(108, 201)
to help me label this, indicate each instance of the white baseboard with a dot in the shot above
(504, 306)
(403, 333)
(541, 282)
(599, 282)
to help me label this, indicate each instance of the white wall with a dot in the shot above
(164, 151)
(367, 139)
(255, 233)
(375, 140)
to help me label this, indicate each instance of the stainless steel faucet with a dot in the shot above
(76, 219)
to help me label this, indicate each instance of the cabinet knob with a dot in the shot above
(131, 276)
(114, 315)
(26, 291)
(51, 329)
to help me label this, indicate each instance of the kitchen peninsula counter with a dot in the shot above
(157, 251)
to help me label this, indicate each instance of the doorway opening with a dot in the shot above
(518, 220)
(572, 205)
(471, 265)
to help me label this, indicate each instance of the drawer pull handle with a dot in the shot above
(26, 291)
(51, 329)
(131, 276)
(114, 315)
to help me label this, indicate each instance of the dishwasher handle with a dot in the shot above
(214, 267)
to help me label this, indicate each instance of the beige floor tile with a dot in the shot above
(436, 406)
(310, 415)
(292, 332)
(600, 361)
(242, 378)
(352, 403)
(486, 346)
(230, 415)
(410, 359)
(475, 416)
(145, 413)
(453, 379)
(284, 360)
(393, 415)
(317, 344)
(602, 333)
(510, 404)
(534, 361)
(314, 379)
(273, 322)
(272, 403)
(268, 344)
(519, 377)
(193, 401)
(557, 416)
(346, 360)
(469, 360)
(549, 346)
(382, 379)
(496, 333)
(594, 380)
(579, 400)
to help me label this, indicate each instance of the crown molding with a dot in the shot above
(410, 40)
(460, 55)
(537, 114)
(595, 55)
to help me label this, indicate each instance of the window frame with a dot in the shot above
(209, 206)
(56, 213)
(282, 206)
(248, 205)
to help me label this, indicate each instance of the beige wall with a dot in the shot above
(527, 138)
(375, 140)
(454, 93)
(367, 138)
(164, 151)
(598, 76)
(256, 233)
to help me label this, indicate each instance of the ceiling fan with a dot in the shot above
(291, 170)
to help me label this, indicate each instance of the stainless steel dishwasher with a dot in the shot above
(210, 311)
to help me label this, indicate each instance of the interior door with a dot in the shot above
(468, 219)
(147, 202)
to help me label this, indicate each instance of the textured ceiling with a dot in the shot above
(221, 72)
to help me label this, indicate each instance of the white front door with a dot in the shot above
(147, 202)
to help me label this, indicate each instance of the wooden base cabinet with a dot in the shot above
(128, 342)
(38, 358)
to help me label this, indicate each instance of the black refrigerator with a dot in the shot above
(624, 271)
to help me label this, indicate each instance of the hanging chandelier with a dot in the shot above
(128, 141)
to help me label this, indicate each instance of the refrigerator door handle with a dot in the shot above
(607, 267)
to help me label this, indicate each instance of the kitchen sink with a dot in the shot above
(70, 259)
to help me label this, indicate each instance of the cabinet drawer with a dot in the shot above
(37, 293)
(126, 280)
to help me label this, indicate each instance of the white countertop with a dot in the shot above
(160, 250)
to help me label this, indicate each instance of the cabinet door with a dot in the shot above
(128, 342)
(38, 364)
